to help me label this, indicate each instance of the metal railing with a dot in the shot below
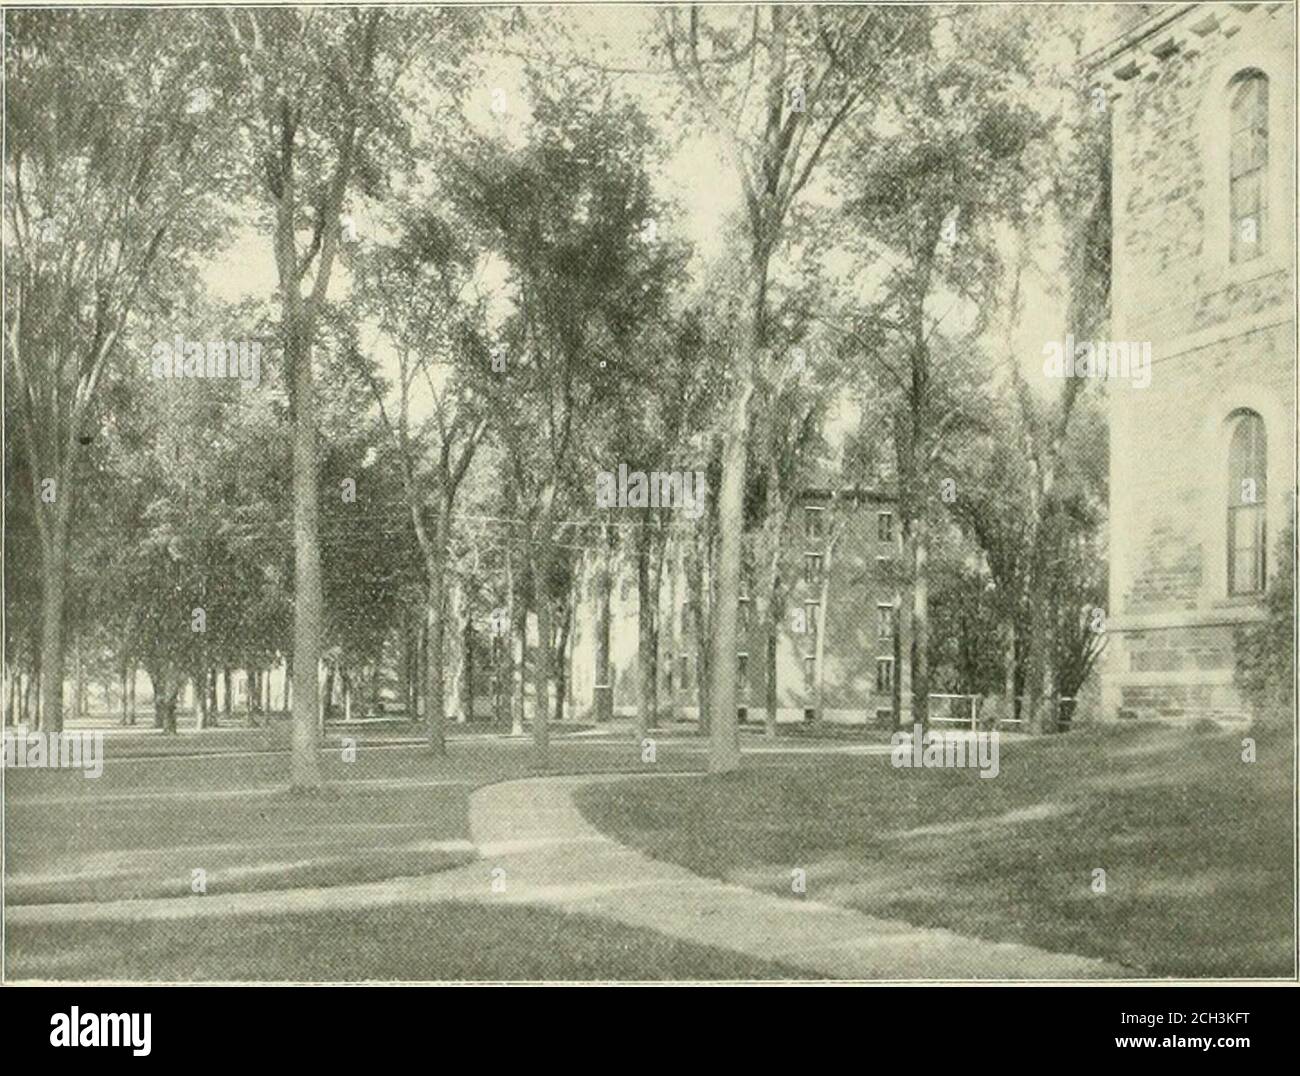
(965, 710)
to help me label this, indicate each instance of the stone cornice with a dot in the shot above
(1141, 53)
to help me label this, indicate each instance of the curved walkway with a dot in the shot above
(537, 848)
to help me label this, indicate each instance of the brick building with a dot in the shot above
(841, 647)
(1202, 462)
(839, 655)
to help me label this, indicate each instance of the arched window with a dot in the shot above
(1248, 165)
(1247, 497)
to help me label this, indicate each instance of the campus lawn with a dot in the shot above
(1197, 845)
(444, 941)
(145, 825)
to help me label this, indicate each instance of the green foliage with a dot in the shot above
(1265, 670)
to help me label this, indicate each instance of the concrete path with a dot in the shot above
(537, 848)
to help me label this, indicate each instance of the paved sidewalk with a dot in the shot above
(553, 855)
(537, 848)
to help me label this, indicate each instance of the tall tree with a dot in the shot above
(775, 85)
(421, 294)
(566, 213)
(110, 169)
(929, 199)
(322, 119)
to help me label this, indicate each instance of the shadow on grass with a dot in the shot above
(1196, 844)
(444, 941)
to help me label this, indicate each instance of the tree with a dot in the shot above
(566, 213)
(320, 119)
(809, 70)
(928, 197)
(419, 291)
(109, 178)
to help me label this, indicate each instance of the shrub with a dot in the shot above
(1265, 672)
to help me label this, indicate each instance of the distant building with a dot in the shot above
(1201, 99)
(839, 653)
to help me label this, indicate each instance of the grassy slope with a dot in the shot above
(444, 942)
(141, 828)
(1196, 844)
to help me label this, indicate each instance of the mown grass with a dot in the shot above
(144, 826)
(1197, 845)
(445, 941)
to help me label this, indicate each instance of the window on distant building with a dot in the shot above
(1247, 497)
(810, 667)
(684, 671)
(814, 523)
(884, 621)
(885, 526)
(745, 613)
(742, 667)
(812, 569)
(884, 674)
(1248, 165)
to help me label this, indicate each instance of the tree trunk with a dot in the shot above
(200, 682)
(896, 688)
(562, 659)
(545, 635)
(251, 695)
(604, 688)
(773, 532)
(520, 676)
(410, 667)
(467, 660)
(165, 691)
(646, 658)
(79, 682)
(227, 684)
(436, 688)
(769, 678)
(920, 540)
(700, 609)
(305, 773)
(327, 695)
(823, 618)
(542, 666)
(724, 736)
(286, 687)
(53, 562)
(1009, 677)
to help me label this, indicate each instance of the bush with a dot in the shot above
(1265, 672)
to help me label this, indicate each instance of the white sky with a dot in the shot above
(695, 177)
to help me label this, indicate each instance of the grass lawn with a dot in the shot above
(443, 941)
(1197, 845)
(146, 824)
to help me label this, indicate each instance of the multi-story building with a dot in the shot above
(1201, 100)
(839, 653)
